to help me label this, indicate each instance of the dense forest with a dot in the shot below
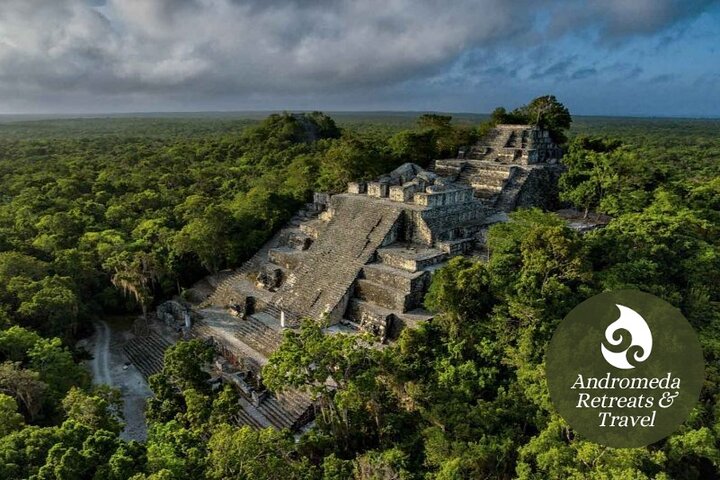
(107, 216)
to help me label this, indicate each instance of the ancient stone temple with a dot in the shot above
(513, 166)
(363, 260)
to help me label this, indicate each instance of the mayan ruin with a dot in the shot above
(362, 260)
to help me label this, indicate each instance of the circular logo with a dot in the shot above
(624, 368)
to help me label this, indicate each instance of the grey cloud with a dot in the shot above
(256, 47)
(622, 18)
(237, 45)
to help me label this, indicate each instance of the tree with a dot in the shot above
(49, 305)
(206, 237)
(591, 172)
(501, 116)
(338, 371)
(546, 112)
(419, 147)
(448, 138)
(388, 464)
(667, 249)
(434, 121)
(554, 453)
(24, 386)
(185, 363)
(24, 452)
(64, 464)
(284, 129)
(129, 459)
(198, 408)
(10, 419)
(533, 253)
(134, 274)
(352, 157)
(253, 454)
(15, 264)
(16, 342)
(178, 450)
(48, 357)
(101, 410)
(461, 291)
(225, 407)
(335, 468)
(309, 359)
(57, 367)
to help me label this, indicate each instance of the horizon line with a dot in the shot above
(170, 113)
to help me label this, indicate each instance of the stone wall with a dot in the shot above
(448, 223)
(541, 189)
(381, 274)
(441, 196)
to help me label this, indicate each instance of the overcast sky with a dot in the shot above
(600, 57)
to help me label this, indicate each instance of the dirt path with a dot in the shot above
(101, 352)
(108, 367)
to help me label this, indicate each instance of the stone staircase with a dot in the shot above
(147, 352)
(247, 344)
(260, 408)
(199, 292)
(324, 278)
(518, 138)
(258, 335)
(507, 200)
(230, 288)
(229, 337)
(223, 290)
(486, 178)
(289, 409)
(242, 417)
(501, 145)
(271, 310)
(502, 139)
(393, 285)
(384, 296)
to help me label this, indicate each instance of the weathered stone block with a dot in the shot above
(299, 241)
(411, 259)
(456, 247)
(311, 229)
(286, 257)
(371, 318)
(357, 187)
(243, 309)
(382, 295)
(321, 198)
(378, 189)
(404, 193)
(270, 277)
(396, 278)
